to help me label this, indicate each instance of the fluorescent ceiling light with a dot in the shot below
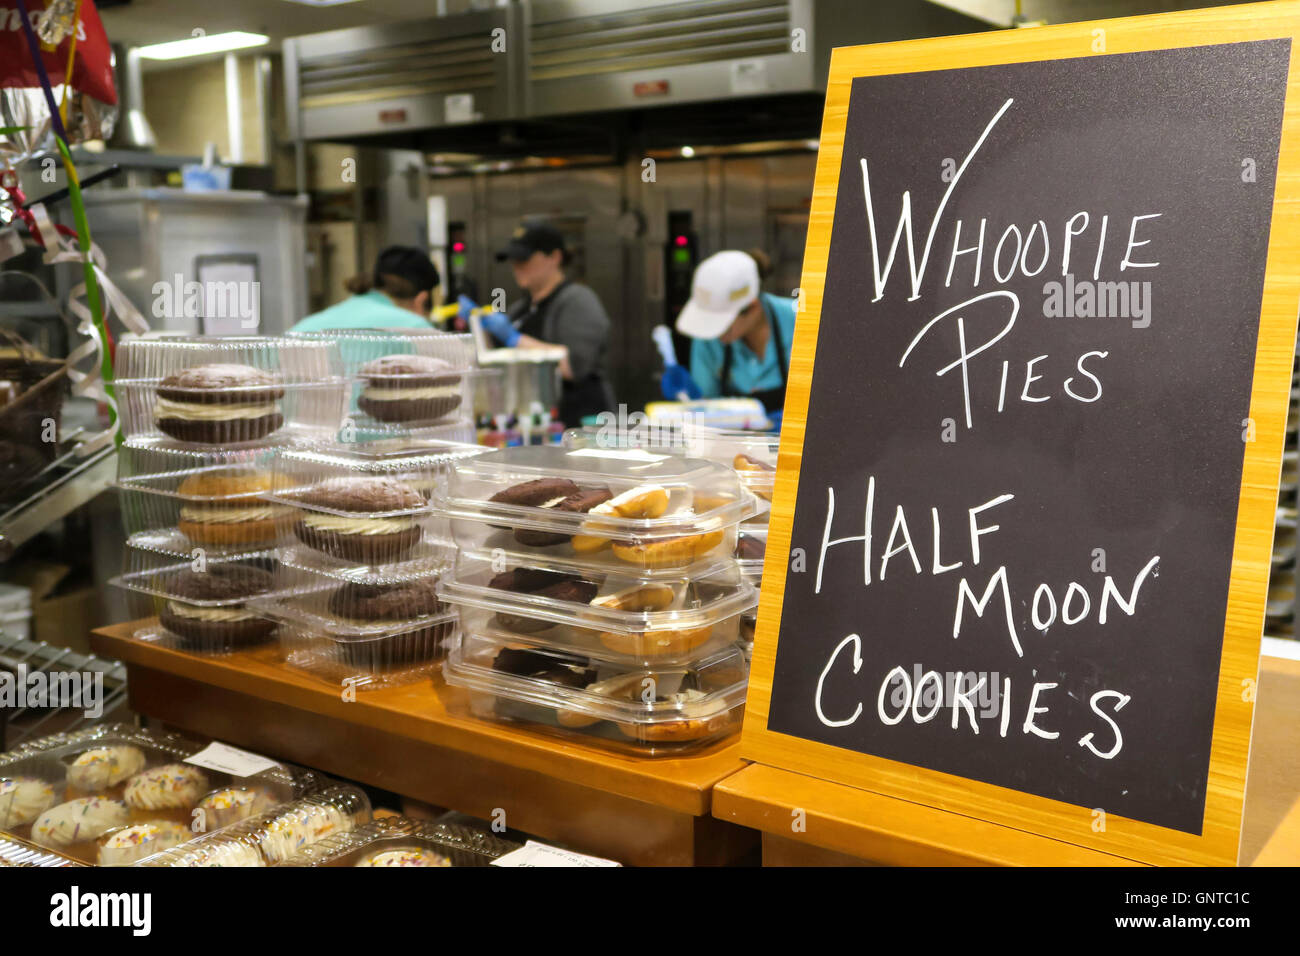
(321, 3)
(198, 46)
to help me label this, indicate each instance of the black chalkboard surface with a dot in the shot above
(1015, 514)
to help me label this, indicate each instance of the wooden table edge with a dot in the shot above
(649, 780)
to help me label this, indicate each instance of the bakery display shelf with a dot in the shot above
(62, 487)
(421, 740)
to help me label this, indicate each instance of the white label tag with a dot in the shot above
(459, 108)
(749, 76)
(231, 760)
(625, 454)
(533, 853)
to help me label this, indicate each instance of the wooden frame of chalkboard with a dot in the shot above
(1205, 828)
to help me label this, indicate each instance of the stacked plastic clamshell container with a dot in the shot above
(400, 841)
(113, 795)
(275, 836)
(599, 595)
(354, 592)
(753, 457)
(203, 419)
(406, 382)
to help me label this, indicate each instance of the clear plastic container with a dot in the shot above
(366, 503)
(200, 596)
(16, 852)
(111, 794)
(627, 509)
(405, 380)
(370, 628)
(216, 498)
(752, 455)
(751, 550)
(659, 711)
(613, 615)
(273, 837)
(228, 391)
(400, 841)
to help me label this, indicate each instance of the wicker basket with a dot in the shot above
(31, 394)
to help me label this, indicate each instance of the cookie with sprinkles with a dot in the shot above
(172, 787)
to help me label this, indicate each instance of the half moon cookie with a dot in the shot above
(409, 388)
(219, 404)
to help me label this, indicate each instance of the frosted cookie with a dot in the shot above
(414, 856)
(86, 818)
(104, 767)
(22, 799)
(232, 804)
(168, 787)
(226, 853)
(301, 827)
(126, 846)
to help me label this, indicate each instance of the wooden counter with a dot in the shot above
(420, 741)
(844, 826)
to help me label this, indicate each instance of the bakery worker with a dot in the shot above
(742, 334)
(555, 310)
(397, 295)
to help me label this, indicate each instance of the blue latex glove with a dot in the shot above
(466, 306)
(499, 324)
(677, 380)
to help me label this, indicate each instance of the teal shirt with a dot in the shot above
(749, 372)
(369, 310)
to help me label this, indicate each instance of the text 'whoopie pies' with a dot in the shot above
(409, 388)
(213, 624)
(374, 520)
(219, 404)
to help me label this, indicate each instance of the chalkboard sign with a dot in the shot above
(1027, 483)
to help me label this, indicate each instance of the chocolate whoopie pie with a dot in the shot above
(554, 585)
(409, 388)
(219, 404)
(404, 601)
(210, 625)
(567, 671)
(367, 519)
(553, 494)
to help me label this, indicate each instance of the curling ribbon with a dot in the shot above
(59, 249)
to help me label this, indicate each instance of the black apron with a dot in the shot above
(592, 395)
(773, 399)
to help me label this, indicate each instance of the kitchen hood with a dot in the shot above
(553, 74)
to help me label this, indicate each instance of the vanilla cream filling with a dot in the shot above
(210, 613)
(341, 525)
(231, 515)
(210, 411)
(410, 394)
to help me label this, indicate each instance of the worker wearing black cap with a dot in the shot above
(556, 311)
(397, 295)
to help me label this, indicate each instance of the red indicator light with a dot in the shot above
(458, 247)
(681, 240)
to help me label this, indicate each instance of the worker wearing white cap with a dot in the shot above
(742, 334)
